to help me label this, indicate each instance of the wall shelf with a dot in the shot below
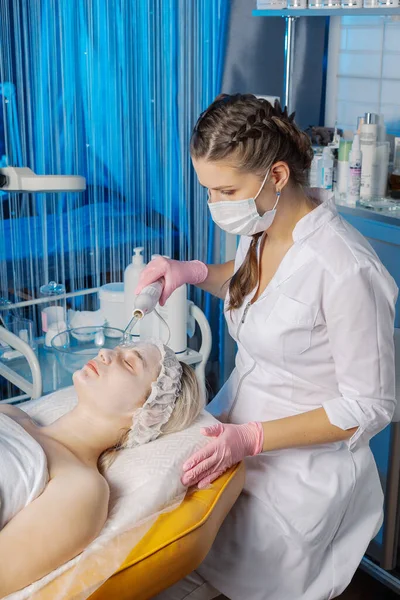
(328, 12)
(291, 15)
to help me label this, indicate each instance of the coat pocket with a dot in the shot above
(290, 325)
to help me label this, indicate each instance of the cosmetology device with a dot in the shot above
(146, 318)
(144, 304)
(22, 179)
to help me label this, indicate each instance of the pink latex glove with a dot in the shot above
(231, 444)
(175, 273)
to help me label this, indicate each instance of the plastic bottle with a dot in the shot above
(343, 168)
(368, 139)
(327, 169)
(381, 169)
(395, 176)
(131, 278)
(316, 170)
(354, 175)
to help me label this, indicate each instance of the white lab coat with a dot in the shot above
(321, 334)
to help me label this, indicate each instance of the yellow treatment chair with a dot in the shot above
(176, 544)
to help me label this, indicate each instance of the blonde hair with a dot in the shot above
(252, 134)
(188, 406)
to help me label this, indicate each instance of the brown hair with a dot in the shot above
(253, 134)
(188, 406)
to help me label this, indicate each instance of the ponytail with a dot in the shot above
(246, 277)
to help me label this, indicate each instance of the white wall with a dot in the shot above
(363, 71)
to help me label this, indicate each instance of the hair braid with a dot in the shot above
(254, 134)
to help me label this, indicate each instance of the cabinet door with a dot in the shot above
(384, 236)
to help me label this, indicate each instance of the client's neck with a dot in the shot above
(86, 435)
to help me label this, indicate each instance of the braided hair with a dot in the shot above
(255, 135)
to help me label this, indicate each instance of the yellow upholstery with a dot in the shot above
(176, 544)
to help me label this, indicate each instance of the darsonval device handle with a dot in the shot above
(147, 300)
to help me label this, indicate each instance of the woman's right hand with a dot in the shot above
(174, 272)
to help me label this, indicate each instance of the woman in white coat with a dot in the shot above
(311, 308)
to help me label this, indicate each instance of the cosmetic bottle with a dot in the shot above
(354, 173)
(368, 140)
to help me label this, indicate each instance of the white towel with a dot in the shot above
(23, 469)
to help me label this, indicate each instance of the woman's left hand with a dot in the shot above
(230, 445)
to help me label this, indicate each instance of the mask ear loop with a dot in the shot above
(262, 185)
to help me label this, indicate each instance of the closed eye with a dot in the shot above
(137, 355)
(129, 365)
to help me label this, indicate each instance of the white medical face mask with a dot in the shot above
(241, 217)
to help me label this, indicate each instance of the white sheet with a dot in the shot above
(144, 482)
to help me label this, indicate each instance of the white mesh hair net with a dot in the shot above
(148, 420)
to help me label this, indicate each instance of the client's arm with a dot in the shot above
(54, 528)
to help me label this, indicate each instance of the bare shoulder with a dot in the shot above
(84, 489)
(89, 480)
(88, 484)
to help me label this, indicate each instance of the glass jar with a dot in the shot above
(53, 311)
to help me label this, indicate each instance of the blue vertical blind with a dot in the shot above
(107, 89)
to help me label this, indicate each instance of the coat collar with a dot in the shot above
(323, 213)
(300, 254)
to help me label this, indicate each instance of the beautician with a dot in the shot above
(311, 308)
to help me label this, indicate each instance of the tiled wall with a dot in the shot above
(364, 70)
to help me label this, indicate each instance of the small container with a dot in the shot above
(300, 4)
(53, 330)
(332, 4)
(271, 4)
(52, 311)
(389, 3)
(352, 3)
(316, 4)
(111, 296)
(371, 3)
(22, 328)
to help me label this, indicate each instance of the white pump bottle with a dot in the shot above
(131, 279)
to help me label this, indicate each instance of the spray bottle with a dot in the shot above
(354, 176)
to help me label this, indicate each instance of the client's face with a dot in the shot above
(119, 381)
